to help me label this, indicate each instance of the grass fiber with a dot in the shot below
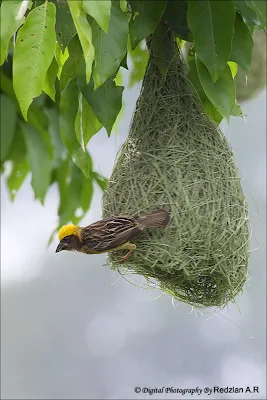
(176, 158)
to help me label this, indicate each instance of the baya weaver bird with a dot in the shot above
(109, 234)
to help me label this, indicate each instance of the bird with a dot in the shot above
(109, 234)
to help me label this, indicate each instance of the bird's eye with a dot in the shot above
(66, 239)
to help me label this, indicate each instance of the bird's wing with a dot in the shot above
(109, 233)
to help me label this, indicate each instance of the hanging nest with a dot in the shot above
(177, 159)
(247, 88)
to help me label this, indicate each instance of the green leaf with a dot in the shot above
(11, 18)
(17, 176)
(175, 16)
(87, 195)
(39, 121)
(40, 161)
(62, 174)
(37, 3)
(249, 15)
(212, 25)
(221, 93)
(116, 124)
(90, 124)
(100, 11)
(237, 111)
(123, 5)
(68, 111)
(36, 116)
(8, 125)
(124, 62)
(139, 57)
(110, 48)
(242, 45)
(146, 15)
(65, 28)
(233, 67)
(84, 31)
(59, 150)
(208, 107)
(20, 165)
(34, 52)
(61, 58)
(50, 79)
(78, 122)
(106, 102)
(71, 66)
(75, 192)
(118, 78)
(100, 180)
(7, 87)
(86, 124)
(259, 7)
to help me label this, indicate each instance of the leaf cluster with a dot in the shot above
(60, 78)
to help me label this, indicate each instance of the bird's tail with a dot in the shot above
(156, 219)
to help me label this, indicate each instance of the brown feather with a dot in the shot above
(155, 219)
(109, 233)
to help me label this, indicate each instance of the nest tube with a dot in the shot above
(176, 158)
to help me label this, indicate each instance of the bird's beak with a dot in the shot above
(60, 247)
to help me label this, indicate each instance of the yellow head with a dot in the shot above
(69, 238)
(67, 230)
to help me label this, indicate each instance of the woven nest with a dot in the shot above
(177, 159)
(249, 87)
